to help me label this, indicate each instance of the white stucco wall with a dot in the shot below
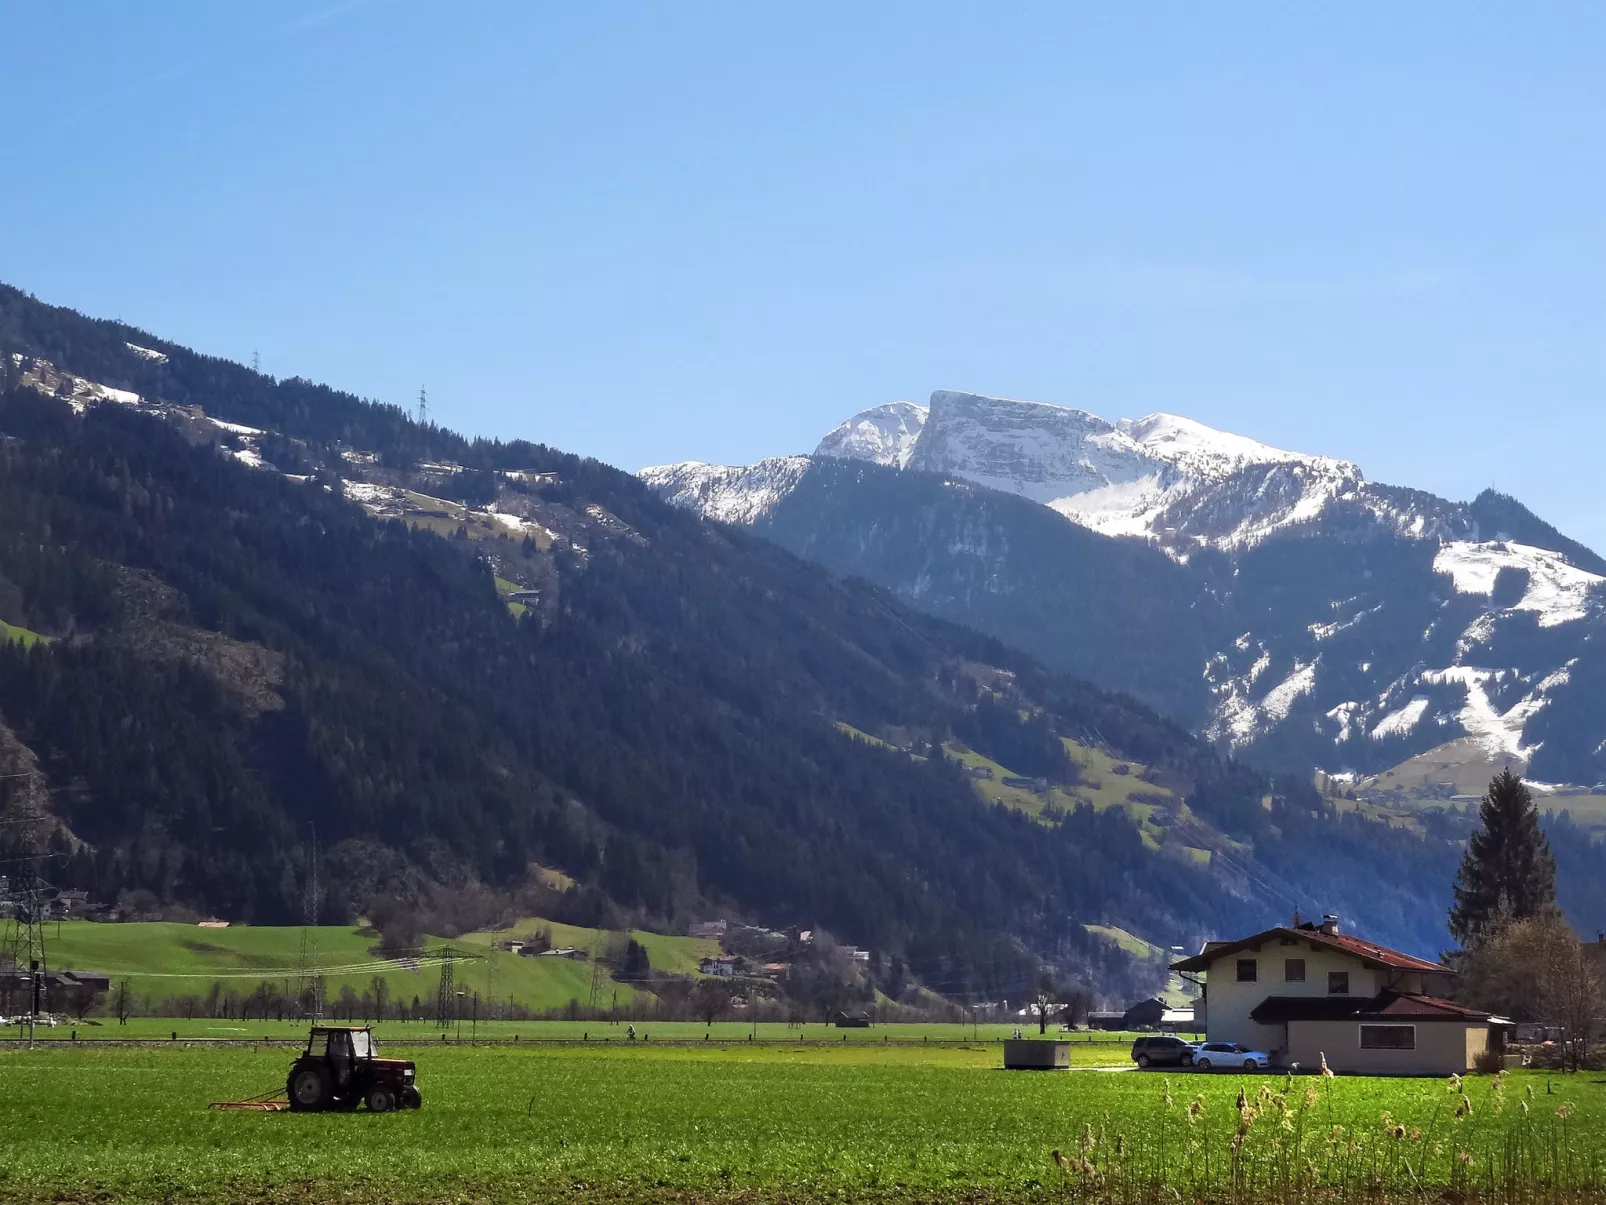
(1231, 1002)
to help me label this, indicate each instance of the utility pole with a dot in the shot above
(490, 982)
(596, 972)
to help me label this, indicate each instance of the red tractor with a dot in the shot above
(339, 1070)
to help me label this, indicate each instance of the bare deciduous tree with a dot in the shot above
(1537, 970)
(1574, 996)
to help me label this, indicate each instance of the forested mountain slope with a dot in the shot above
(536, 662)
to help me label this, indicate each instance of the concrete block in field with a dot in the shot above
(1036, 1054)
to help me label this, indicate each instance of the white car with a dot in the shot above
(1229, 1055)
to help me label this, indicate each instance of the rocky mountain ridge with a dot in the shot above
(1317, 619)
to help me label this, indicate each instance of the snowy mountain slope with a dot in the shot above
(1317, 618)
(882, 435)
(1141, 477)
(729, 494)
(1161, 477)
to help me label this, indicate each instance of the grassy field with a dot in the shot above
(1106, 782)
(165, 960)
(10, 631)
(732, 1122)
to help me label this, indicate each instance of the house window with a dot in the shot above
(1246, 970)
(1338, 983)
(1388, 1037)
(1294, 970)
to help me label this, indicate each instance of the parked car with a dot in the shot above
(1229, 1054)
(1162, 1051)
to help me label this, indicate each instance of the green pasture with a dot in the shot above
(164, 960)
(773, 1123)
(25, 636)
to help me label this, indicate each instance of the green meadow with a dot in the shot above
(163, 961)
(731, 1121)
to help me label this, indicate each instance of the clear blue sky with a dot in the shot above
(672, 230)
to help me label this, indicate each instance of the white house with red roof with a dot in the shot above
(1306, 991)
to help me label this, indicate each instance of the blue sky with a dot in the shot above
(660, 231)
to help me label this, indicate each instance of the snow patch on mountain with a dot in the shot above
(1239, 718)
(1498, 732)
(1400, 722)
(233, 428)
(1281, 697)
(147, 353)
(882, 435)
(1557, 591)
(1326, 631)
(730, 494)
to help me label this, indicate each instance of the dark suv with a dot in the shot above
(1162, 1051)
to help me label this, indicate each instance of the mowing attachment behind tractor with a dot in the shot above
(268, 1102)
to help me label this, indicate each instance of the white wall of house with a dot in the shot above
(1231, 1001)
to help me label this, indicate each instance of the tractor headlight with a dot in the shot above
(408, 1074)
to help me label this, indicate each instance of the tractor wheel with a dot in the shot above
(410, 1098)
(310, 1088)
(381, 1099)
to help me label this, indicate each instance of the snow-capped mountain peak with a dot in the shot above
(1376, 622)
(729, 493)
(1161, 477)
(1183, 440)
(883, 434)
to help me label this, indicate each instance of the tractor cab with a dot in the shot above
(340, 1069)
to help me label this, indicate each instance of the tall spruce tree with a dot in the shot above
(1508, 872)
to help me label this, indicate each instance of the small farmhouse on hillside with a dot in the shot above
(1306, 991)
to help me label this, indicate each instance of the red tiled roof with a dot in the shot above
(1391, 1006)
(1404, 1004)
(1367, 951)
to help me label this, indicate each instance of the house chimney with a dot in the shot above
(1330, 924)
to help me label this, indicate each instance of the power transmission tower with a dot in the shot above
(25, 941)
(423, 407)
(445, 997)
(256, 362)
(309, 982)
